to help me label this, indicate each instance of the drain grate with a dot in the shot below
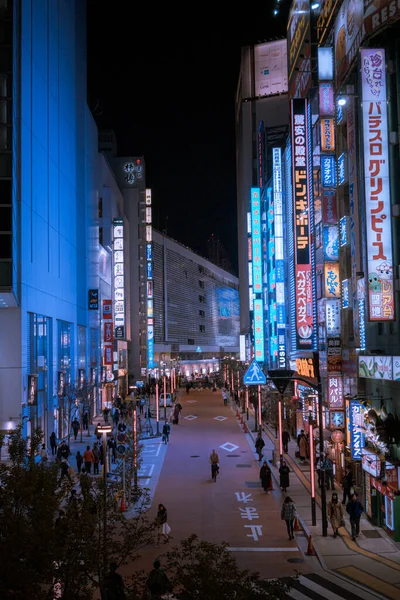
(195, 456)
(371, 533)
(243, 466)
(233, 456)
(253, 484)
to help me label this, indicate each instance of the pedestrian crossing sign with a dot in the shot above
(254, 375)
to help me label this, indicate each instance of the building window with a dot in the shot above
(190, 342)
(202, 328)
(40, 364)
(201, 284)
(201, 269)
(202, 313)
(81, 347)
(202, 298)
(65, 355)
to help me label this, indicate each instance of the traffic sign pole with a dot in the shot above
(247, 401)
(259, 408)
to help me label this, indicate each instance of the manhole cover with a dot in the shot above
(195, 456)
(233, 456)
(371, 533)
(253, 484)
(295, 560)
(243, 466)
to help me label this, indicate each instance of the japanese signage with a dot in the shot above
(342, 168)
(119, 273)
(377, 186)
(258, 331)
(371, 463)
(149, 277)
(348, 36)
(305, 367)
(328, 170)
(261, 156)
(343, 231)
(326, 12)
(335, 393)
(298, 31)
(332, 308)
(279, 256)
(345, 293)
(32, 390)
(378, 13)
(150, 346)
(107, 309)
(93, 299)
(325, 63)
(331, 242)
(334, 355)
(303, 222)
(271, 67)
(327, 135)
(326, 101)
(357, 440)
(256, 240)
(332, 282)
(108, 355)
(108, 333)
(329, 210)
(375, 367)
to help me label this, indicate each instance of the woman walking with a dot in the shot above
(335, 514)
(162, 526)
(284, 476)
(265, 476)
(288, 514)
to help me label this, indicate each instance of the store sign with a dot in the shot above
(303, 221)
(256, 240)
(377, 186)
(327, 134)
(149, 252)
(353, 169)
(332, 308)
(331, 242)
(107, 310)
(348, 36)
(326, 99)
(357, 440)
(32, 390)
(327, 10)
(148, 214)
(149, 277)
(361, 312)
(329, 210)
(150, 346)
(242, 348)
(371, 463)
(305, 367)
(119, 273)
(93, 299)
(328, 171)
(343, 229)
(259, 331)
(279, 257)
(335, 393)
(332, 281)
(345, 293)
(380, 14)
(342, 168)
(108, 333)
(149, 270)
(375, 367)
(298, 31)
(108, 355)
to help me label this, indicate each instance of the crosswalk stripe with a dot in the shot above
(315, 587)
(343, 588)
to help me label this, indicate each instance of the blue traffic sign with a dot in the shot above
(254, 375)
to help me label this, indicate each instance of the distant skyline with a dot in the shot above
(168, 92)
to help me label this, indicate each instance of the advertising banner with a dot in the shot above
(332, 281)
(150, 346)
(327, 134)
(119, 275)
(107, 309)
(271, 75)
(303, 222)
(108, 355)
(332, 308)
(326, 13)
(279, 256)
(108, 333)
(375, 367)
(258, 331)
(326, 100)
(377, 186)
(298, 31)
(348, 36)
(331, 242)
(357, 429)
(335, 393)
(328, 170)
(256, 244)
(329, 209)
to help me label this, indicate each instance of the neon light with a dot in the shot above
(256, 240)
(259, 330)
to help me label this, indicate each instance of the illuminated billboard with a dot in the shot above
(259, 331)
(270, 60)
(303, 223)
(119, 278)
(377, 186)
(256, 240)
(149, 277)
(279, 256)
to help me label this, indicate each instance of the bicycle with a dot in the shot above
(214, 471)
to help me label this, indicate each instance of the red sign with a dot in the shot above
(108, 332)
(383, 489)
(107, 309)
(108, 355)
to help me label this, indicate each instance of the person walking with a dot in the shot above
(63, 451)
(354, 509)
(106, 412)
(284, 476)
(329, 478)
(157, 582)
(88, 458)
(302, 447)
(259, 445)
(44, 454)
(335, 514)
(96, 462)
(53, 443)
(163, 529)
(265, 476)
(347, 483)
(288, 513)
(79, 461)
(113, 584)
(85, 421)
(64, 471)
(75, 426)
(166, 431)
(285, 440)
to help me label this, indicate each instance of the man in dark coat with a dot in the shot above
(284, 476)
(265, 476)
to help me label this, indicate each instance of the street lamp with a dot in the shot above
(157, 411)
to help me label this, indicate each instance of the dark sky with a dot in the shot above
(166, 82)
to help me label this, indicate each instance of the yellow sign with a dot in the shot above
(327, 135)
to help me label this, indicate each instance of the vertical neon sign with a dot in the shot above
(259, 331)
(256, 240)
(279, 256)
(149, 272)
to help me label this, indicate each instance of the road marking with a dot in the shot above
(371, 581)
(220, 418)
(190, 401)
(190, 417)
(256, 549)
(153, 449)
(229, 447)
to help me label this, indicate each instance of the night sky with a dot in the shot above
(165, 81)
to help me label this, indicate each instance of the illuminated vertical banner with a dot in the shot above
(119, 278)
(303, 218)
(259, 330)
(377, 186)
(279, 256)
(149, 277)
(256, 240)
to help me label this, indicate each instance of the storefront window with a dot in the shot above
(81, 347)
(40, 361)
(93, 348)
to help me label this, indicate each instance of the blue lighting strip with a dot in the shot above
(256, 245)
(290, 243)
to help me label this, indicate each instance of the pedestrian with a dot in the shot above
(157, 582)
(187, 388)
(335, 514)
(288, 514)
(285, 440)
(347, 483)
(163, 529)
(73, 501)
(75, 427)
(176, 415)
(113, 584)
(88, 458)
(96, 462)
(302, 447)
(354, 509)
(53, 443)
(63, 451)
(284, 476)
(106, 412)
(44, 455)
(259, 445)
(79, 461)
(329, 478)
(85, 421)
(166, 431)
(64, 471)
(265, 476)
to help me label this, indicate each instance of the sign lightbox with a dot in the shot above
(256, 240)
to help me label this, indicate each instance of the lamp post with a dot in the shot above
(104, 429)
(135, 475)
(280, 426)
(165, 396)
(312, 469)
(157, 411)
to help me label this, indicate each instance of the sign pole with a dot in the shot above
(280, 425)
(157, 411)
(259, 408)
(247, 402)
(165, 397)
